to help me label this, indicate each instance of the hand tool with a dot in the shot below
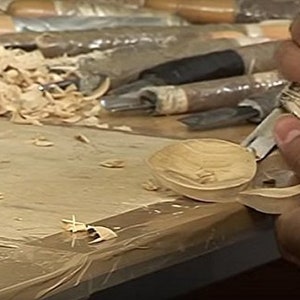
(253, 109)
(125, 64)
(215, 65)
(228, 11)
(261, 141)
(87, 8)
(199, 96)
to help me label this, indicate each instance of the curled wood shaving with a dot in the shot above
(82, 138)
(123, 128)
(42, 142)
(150, 186)
(100, 234)
(97, 234)
(74, 226)
(100, 91)
(271, 200)
(113, 163)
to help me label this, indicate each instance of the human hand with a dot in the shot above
(288, 53)
(287, 134)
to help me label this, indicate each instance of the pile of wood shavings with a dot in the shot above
(23, 103)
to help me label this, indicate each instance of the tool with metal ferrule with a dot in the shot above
(194, 97)
(253, 109)
(261, 141)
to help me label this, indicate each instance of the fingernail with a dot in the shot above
(287, 129)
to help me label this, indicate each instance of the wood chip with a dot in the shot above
(123, 128)
(150, 186)
(101, 233)
(82, 138)
(113, 163)
(42, 142)
(74, 226)
(103, 126)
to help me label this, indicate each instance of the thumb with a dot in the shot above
(287, 136)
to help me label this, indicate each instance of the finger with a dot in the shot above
(288, 57)
(295, 29)
(288, 235)
(287, 136)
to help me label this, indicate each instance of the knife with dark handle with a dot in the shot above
(214, 65)
(253, 109)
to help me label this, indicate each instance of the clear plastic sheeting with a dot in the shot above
(86, 23)
(98, 8)
(261, 10)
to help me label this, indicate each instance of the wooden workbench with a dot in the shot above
(156, 230)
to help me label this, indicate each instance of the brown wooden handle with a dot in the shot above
(32, 8)
(6, 24)
(199, 11)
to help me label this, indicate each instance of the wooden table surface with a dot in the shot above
(156, 230)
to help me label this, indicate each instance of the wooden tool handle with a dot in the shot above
(6, 24)
(200, 11)
(32, 8)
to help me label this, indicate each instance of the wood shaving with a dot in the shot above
(23, 102)
(103, 126)
(113, 163)
(150, 186)
(96, 233)
(42, 142)
(100, 234)
(123, 128)
(74, 226)
(271, 200)
(82, 138)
